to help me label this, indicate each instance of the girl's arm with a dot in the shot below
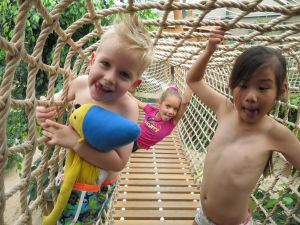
(207, 95)
(184, 104)
(289, 146)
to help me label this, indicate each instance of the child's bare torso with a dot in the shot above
(119, 106)
(235, 160)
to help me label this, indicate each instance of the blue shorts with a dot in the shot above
(85, 207)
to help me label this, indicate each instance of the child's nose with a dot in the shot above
(172, 111)
(110, 76)
(251, 96)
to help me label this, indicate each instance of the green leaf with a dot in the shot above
(271, 203)
(287, 200)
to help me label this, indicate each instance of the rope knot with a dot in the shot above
(2, 102)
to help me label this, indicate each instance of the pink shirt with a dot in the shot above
(153, 129)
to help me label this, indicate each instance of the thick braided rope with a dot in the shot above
(174, 54)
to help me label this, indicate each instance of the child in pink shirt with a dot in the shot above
(160, 121)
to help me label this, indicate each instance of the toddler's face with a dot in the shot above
(114, 70)
(254, 99)
(169, 107)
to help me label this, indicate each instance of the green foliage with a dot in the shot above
(32, 191)
(288, 199)
(149, 14)
(292, 116)
(16, 133)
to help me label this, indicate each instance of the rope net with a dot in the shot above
(275, 199)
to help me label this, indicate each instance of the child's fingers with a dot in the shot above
(216, 39)
(50, 142)
(51, 124)
(43, 113)
(47, 134)
(217, 32)
(43, 98)
(217, 35)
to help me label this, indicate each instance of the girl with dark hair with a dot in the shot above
(246, 136)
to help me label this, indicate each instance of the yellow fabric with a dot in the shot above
(76, 169)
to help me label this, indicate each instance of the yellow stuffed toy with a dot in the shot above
(90, 121)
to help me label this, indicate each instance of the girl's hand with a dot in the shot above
(216, 36)
(43, 113)
(59, 134)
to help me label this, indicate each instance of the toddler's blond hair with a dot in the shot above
(131, 29)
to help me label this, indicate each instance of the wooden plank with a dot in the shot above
(150, 160)
(153, 196)
(172, 155)
(158, 165)
(150, 205)
(160, 151)
(158, 170)
(157, 156)
(155, 214)
(144, 189)
(172, 145)
(157, 176)
(166, 147)
(158, 182)
(153, 222)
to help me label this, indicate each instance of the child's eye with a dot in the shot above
(104, 64)
(242, 86)
(263, 88)
(124, 75)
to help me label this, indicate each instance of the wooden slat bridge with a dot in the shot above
(157, 188)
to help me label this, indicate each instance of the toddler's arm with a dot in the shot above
(65, 136)
(114, 160)
(195, 75)
(43, 113)
(184, 104)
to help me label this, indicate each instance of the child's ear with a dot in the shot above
(92, 58)
(282, 94)
(134, 85)
(158, 102)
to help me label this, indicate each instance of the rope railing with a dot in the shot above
(274, 199)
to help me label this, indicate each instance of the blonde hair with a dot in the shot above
(171, 90)
(131, 29)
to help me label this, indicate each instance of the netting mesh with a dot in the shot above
(275, 200)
